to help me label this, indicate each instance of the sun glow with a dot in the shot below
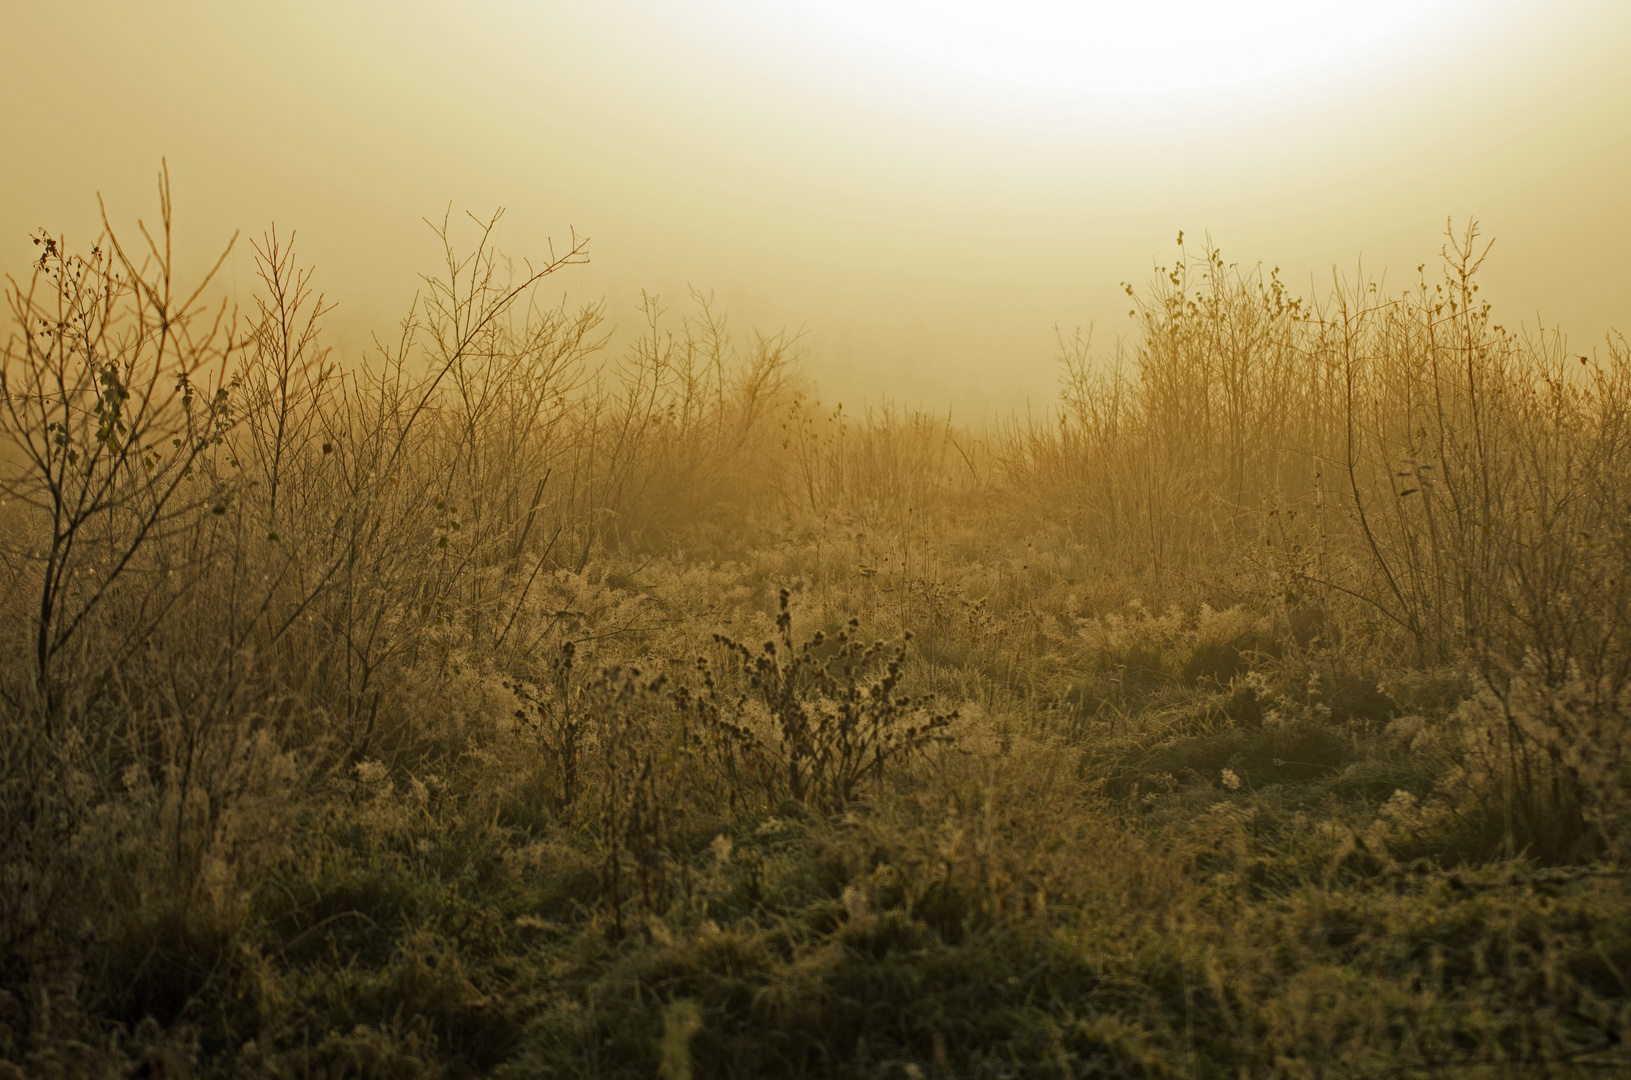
(1042, 53)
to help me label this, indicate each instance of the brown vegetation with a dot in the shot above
(493, 706)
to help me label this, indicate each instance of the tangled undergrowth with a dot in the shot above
(489, 709)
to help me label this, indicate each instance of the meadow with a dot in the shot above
(503, 704)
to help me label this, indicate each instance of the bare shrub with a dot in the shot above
(834, 728)
(1410, 478)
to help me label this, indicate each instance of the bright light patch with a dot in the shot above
(1051, 52)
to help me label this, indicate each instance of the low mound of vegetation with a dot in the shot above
(496, 707)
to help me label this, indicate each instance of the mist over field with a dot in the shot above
(861, 540)
(927, 190)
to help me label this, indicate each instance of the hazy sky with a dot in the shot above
(927, 189)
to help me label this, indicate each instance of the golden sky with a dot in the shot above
(926, 188)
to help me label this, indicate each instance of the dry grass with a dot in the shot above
(416, 717)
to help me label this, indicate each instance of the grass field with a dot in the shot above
(502, 706)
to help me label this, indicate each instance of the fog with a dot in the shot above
(925, 191)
